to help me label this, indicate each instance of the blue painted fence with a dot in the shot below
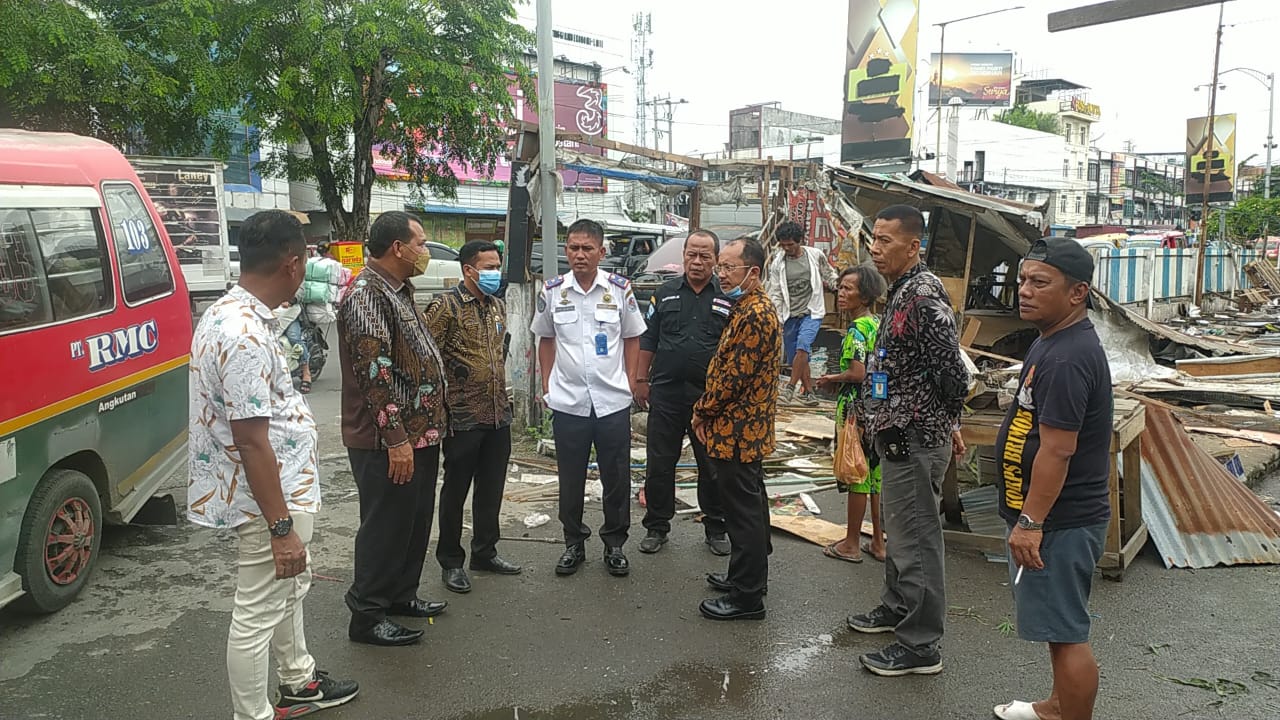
(1137, 275)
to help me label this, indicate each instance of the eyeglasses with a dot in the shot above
(726, 269)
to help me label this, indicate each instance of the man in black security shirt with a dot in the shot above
(1054, 450)
(686, 316)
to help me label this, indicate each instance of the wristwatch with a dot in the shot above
(1026, 523)
(282, 527)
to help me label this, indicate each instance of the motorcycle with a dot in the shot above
(307, 341)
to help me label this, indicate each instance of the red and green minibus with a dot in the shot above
(95, 335)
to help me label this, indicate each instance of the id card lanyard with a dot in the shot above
(880, 378)
(602, 342)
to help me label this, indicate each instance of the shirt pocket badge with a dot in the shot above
(565, 315)
(608, 313)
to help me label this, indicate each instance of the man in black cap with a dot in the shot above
(1055, 460)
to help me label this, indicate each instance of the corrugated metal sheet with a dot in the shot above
(1015, 227)
(1207, 344)
(1197, 514)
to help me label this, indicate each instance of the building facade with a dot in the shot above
(1140, 190)
(1033, 166)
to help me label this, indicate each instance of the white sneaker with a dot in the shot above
(787, 394)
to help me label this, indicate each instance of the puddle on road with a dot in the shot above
(683, 689)
(680, 689)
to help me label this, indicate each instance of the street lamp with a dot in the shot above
(942, 61)
(1268, 81)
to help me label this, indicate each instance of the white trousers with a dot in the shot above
(267, 620)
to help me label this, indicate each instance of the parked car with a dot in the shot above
(1271, 247)
(630, 253)
(668, 260)
(443, 272)
(627, 253)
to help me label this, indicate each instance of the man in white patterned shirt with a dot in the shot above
(253, 468)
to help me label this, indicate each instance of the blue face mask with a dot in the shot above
(489, 281)
(734, 294)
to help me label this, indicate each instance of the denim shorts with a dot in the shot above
(1052, 605)
(798, 333)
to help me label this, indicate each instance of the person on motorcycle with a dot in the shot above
(289, 315)
(323, 285)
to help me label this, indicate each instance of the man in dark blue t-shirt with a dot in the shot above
(1055, 462)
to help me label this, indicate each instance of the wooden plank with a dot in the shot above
(1132, 479)
(980, 430)
(812, 426)
(1134, 545)
(1257, 436)
(1232, 365)
(1117, 10)
(695, 202)
(1129, 428)
(990, 355)
(1113, 543)
(968, 266)
(972, 326)
(631, 149)
(955, 288)
(955, 539)
(815, 530)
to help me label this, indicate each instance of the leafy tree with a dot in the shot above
(1259, 186)
(104, 68)
(1156, 184)
(1024, 117)
(425, 81)
(1248, 219)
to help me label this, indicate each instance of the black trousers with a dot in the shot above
(395, 523)
(611, 436)
(747, 520)
(478, 456)
(669, 422)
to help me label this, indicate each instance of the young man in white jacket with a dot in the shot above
(797, 277)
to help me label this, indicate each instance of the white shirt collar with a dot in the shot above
(602, 280)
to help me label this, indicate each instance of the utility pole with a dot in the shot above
(657, 134)
(1209, 141)
(547, 140)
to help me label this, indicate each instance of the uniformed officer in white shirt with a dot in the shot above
(589, 327)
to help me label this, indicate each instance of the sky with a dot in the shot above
(723, 54)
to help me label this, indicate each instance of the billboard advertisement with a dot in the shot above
(580, 108)
(879, 82)
(979, 79)
(1211, 162)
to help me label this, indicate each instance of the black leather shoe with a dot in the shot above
(418, 608)
(456, 580)
(719, 544)
(387, 633)
(653, 542)
(573, 556)
(722, 608)
(616, 561)
(497, 565)
(720, 581)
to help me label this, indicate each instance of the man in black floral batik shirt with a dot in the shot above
(914, 390)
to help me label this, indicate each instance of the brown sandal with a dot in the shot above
(834, 553)
(865, 547)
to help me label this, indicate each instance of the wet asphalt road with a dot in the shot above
(147, 639)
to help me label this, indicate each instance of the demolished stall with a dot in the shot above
(974, 244)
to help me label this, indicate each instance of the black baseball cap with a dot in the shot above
(1066, 255)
